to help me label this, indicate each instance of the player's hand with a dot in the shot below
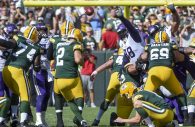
(92, 77)
(119, 12)
(119, 120)
(171, 7)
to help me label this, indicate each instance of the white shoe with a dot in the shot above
(93, 105)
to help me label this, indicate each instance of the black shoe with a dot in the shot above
(60, 124)
(113, 116)
(83, 123)
(14, 122)
(95, 122)
(77, 122)
(24, 124)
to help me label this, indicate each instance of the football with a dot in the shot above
(89, 10)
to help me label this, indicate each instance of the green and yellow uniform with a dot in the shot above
(76, 91)
(16, 66)
(160, 57)
(153, 106)
(124, 106)
(114, 84)
(66, 74)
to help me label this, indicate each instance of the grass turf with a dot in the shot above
(88, 113)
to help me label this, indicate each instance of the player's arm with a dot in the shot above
(50, 52)
(37, 63)
(187, 50)
(176, 19)
(134, 120)
(78, 57)
(101, 68)
(8, 44)
(131, 29)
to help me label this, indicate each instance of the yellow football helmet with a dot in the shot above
(31, 33)
(127, 89)
(75, 34)
(161, 36)
(65, 28)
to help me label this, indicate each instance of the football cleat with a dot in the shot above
(95, 122)
(83, 123)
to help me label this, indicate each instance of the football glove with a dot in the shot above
(171, 7)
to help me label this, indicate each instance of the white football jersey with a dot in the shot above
(3, 54)
(133, 49)
(44, 43)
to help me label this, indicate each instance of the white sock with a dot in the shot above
(23, 116)
(39, 118)
(14, 109)
(149, 122)
(191, 108)
(2, 119)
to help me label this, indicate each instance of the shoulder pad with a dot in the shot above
(78, 47)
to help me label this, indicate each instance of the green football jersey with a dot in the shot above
(23, 54)
(160, 54)
(117, 60)
(150, 97)
(65, 63)
(54, 40)
(126, 77)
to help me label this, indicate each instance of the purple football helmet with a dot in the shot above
(41, 26)
(122, 31)
(10, 29)
(153, 29)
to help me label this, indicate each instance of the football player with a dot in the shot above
(9, 31)
(161, 56)
(78, 90)
(24, 53)
(115, 62)
(148, 105)
(68, 57)
(43, 79)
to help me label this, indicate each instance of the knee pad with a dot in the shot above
(104, 105)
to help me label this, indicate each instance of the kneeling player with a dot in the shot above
(148, 105)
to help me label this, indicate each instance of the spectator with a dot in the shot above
(82, 23)
(48, 15)
(186, 36)
(30, 17)
(109, 38)
(138, 17)
(89, 42)
(96, 21)
(112, 19)
(19, 14)
(4, 20)
(86, 71)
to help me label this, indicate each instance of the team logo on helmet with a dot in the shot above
(31, 33)
(127, 89)
(161, 36)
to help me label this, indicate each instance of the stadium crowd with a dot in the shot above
(46, 46)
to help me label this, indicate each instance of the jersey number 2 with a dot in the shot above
(60, 54)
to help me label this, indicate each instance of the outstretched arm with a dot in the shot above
(131, 29)
(176, 19)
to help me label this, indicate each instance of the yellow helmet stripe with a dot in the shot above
(30, 33)
(67, 27)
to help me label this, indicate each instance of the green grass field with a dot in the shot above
(88, 113)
